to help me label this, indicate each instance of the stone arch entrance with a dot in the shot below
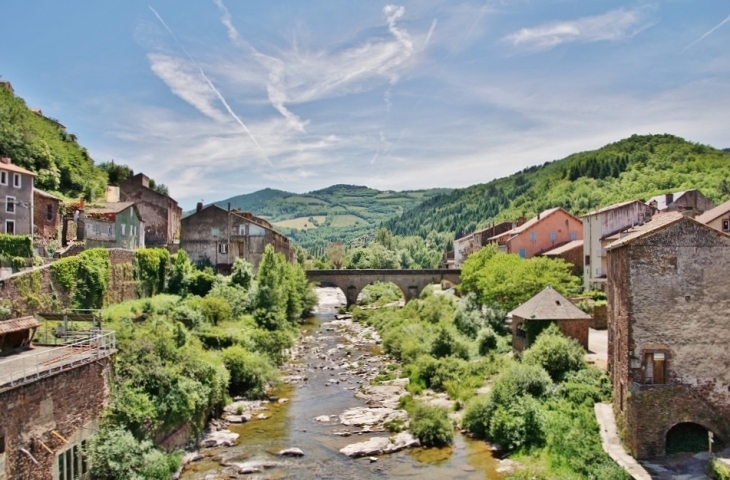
(687, 437)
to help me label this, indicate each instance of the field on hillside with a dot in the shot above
(346, 221)
(302, 223)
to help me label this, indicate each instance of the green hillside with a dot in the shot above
(636, 167)
(338, 213)
(44, 146)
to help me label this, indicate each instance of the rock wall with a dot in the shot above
(68, 403)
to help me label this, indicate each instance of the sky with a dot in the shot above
(217, 98)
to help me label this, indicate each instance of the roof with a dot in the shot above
(565, 248)
(612, 207)
(46, 194)
(549, 305)
(661, 200)
(111, 207)
(14, 168)
(657, 222)
(18, 324)
(541, 216)
(714, 213)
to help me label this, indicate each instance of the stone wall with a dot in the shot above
(69, 403)
(47, 218)
(35, 290)
(575, 329)
(160, 213)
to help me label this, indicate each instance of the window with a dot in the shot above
(523, 253)
(726, 225)
(573, 236)
(533, 236)
(588, 259)
(223, 248)
(553, 236)
(654, 368)
(16, 180)
(242, 229)
(49, 212)
(216, 232)
(2, 444)
(10, 227)
(124, 229)
(10, 204)
(72, 463)
(3, 178)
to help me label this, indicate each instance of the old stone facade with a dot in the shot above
(668, 331)
(691, 201)
(160, 213)
(16, 198)
(48, 217)
(572, 253)
(213, 234)
(116, 225)
(52, 420)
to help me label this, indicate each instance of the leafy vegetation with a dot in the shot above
(16, 246)
(84, 277)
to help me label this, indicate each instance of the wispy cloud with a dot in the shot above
(611, 26)
(707, 34)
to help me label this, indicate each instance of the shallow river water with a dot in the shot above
(292, 424)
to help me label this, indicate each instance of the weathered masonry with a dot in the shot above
(668, 332)
(52, 399)
(160, 213)
(411, 282)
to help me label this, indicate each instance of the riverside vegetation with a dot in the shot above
(183, 351)
(538, 408)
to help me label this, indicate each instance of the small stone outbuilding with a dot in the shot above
(548, 306)
(17, 334)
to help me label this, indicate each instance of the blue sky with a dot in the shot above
(221, 97)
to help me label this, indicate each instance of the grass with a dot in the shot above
(301, 223)
(347, 220)
(305, 200)
(163, 302)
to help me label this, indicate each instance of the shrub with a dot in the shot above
(446, 344)
(187, 315)
(521, 423)
(181, 269)
(588, 386)
(520, 380)
(150, 268)
(477, 414)
(554, 352)
(200, 282)
(431, 426)
(250, 374)
(115, 453)
(486, 341)
(85, 277)
(16, 245)
(237, 298)
(215, 310)
(241, 273)
(272, 343)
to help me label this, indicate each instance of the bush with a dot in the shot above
(84, 277)
(115, 453)
(215, 310)
(272, 343)
(586, 386)
(242, 273)
(447, 344)
(520, 380)
(521, 423)
(477, 414)
(554, 352)
(16, 245)
(486, 341)
(188, 316)
(200, 282)
(250, 374)
(431, 426)
(150, 268)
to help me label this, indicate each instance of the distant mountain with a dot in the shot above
(336, 213)
(636, 167)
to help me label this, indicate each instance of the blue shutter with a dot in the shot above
(523, 253)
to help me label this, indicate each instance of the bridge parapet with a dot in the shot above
(411, 282)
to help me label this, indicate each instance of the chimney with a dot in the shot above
(538, 216)
(199, 207)
(6, 160)
(669, 198)
(229, 206)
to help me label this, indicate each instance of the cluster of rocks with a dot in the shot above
(380, 445)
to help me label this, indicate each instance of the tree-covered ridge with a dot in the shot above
(339, 213)
(636, 167)
(43, 146)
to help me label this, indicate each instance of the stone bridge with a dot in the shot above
(411, 282)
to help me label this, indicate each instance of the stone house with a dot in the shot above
(668, 311)
(16, 195)
(548, 306)
(160, 213)
(219, 236)
(468, 244)
(116, 225)
(549, 229)
(47, 216)
(597, 227)
(572, 253)
(717, 218)
(687, 201)
(17, 334)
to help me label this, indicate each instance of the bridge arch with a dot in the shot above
(411, 282)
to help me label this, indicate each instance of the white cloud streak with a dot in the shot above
(707, 34)
(611, 26)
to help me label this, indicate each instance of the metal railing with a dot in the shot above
(29, 367)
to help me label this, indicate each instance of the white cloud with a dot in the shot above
(611, 26)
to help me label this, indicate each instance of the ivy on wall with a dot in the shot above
(150, 270)
(16, 246)
(84, 277)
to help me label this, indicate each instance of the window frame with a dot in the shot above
(9, 202)
(533, 236)
(726, 224)
(124, 229)
(17, 180)
(3, 174)
(223, 248)
(9, 222)
(49, 212)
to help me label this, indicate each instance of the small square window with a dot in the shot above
(533, 236)
(10, 204)
(573, 236)
(16, 180)
(523, 253)
(553, 236)
(216, 232)
(726, 225)
(223, 248)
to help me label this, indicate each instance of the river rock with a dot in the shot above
(249, 470)
(291, 452)
(283, 401)
(221, 438)
(246, 417)
(401, 441)
(380, 445)
(322, 419)
(361, 416)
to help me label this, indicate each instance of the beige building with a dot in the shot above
(717, 218)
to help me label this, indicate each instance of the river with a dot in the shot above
(292, 424)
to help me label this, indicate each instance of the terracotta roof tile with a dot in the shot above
(716, 212)
(565, 248)
(658, 221)
(549, 305)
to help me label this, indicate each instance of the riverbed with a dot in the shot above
(321, 389)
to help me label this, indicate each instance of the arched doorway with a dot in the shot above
(687, 437)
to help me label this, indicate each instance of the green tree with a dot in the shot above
(242, 273)
(385, 238)
(554, 352)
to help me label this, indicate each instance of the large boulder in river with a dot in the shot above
(380, 445)
(363, 416)
(221, 438)
(292, 452)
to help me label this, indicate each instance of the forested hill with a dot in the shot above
(43, 145)
(337, 213)
(636, 167)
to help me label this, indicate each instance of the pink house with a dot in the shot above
(549, 229)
